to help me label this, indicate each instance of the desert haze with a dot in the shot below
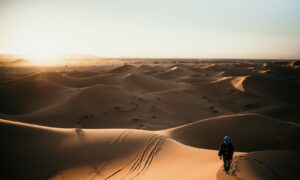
(149, 119)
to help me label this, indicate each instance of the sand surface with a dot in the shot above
(150, 120)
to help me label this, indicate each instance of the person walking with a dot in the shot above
(226, 151)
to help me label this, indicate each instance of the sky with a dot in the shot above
(156, 28)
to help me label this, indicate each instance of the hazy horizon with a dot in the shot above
(179, 29)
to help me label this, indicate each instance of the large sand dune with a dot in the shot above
(85, 154)
(150, 120)
(259, 131)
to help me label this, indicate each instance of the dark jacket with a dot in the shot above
(226, 150)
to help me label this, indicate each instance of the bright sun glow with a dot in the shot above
(41, 48)
(44, 59)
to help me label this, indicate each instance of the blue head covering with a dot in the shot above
(227, 139)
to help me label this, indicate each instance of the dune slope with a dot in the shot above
(101, 154)
(271, 164)
(250, 132)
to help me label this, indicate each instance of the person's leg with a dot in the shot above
(229, 163)
(225, 163)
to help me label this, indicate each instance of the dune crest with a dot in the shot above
(100, 154)
(261, 132)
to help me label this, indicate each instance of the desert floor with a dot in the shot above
(150, 119)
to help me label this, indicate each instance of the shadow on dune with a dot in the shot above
(250, 132)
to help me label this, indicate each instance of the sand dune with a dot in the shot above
(259, 132)
(285, 112)
(295, 64)
(95, 106)
(145, 83)
(131, 69)
(123, 69)
(30, 94)
(85, 154)
(174, 71)
(272, 88)
(216, 90)
(75, 82)
(270, 164)
(143, 120)
(82, 74)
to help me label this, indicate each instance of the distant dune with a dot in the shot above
(150, 119)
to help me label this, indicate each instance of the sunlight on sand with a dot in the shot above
(44, 59)
(237, 83)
